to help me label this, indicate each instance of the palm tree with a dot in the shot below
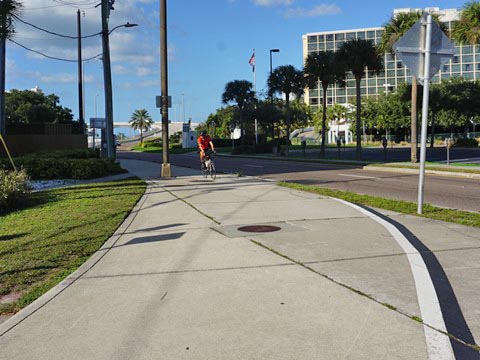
(465, 30)
(394, 29)
(10, 10)
(360, 56)
(141, 120)
(288, 80)
(326, 68)
(241, 93)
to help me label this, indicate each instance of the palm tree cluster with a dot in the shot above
(323, 69)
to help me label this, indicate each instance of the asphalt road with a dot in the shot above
(457, 193)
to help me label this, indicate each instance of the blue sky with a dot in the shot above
(209, 42)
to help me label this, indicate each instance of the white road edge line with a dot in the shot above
(438, 344)
(359, 176)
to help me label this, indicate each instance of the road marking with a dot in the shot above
(438, 344)
(359, 176)
(255, 166)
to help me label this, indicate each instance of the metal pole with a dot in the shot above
(426, 87)
(166, 170)
(3, 123)
(107, 78)
(81, 119)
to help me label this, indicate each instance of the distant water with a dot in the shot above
(127, 131)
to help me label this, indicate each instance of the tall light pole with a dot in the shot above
(107, 75)
(81, 118)
(166, 170)
(272, 51)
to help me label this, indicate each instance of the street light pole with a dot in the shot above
(272, 51)
(166, 171)
(81, 118)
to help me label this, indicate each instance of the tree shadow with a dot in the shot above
(12, 236)
(155, 238)
(156, 228)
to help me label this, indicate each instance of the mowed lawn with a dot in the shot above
(55, 233)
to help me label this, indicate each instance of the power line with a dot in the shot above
(52, 57)
(54, 33)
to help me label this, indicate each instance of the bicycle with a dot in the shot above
(208, 166)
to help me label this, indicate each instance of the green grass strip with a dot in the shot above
(405, 207)
(429, 167)
(57, 232)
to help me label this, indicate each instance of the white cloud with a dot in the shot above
(319, 10)
(64, 78)
(273, 2)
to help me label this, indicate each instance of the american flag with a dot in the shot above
(252, 61)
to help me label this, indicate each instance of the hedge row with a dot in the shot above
(70, 164)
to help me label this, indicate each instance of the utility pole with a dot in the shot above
(107, 78)
(5, 24)
(166, 170)
(81, 118)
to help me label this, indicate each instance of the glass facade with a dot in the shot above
(466, 64)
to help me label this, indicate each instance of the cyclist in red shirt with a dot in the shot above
(204, 143)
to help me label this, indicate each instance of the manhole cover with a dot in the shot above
(259, 228)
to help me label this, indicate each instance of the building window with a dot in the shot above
(341, 99)
(329, 46)
(350, 36)
(379, 33)
(329, 37)
(467, 49)
(340, 92)
(455, 68)
(313, 101)
(321, 47)
(478, 67)
(468, 75)
(312, 39)
(455, 59)
(399, 65)
(446, 68)
(361, 35)
(467, 67)
(467, 58)
(370, 34)
(330, 100)
(340, 37)
(445, 76)
(312, 47)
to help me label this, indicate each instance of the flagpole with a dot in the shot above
(255, 91)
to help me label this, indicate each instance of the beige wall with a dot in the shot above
(24, 144)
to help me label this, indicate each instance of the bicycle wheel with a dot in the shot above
(213, 172)
(204, 169)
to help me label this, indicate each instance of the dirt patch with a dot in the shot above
(10, 298)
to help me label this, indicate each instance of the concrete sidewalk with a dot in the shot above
(179, 280)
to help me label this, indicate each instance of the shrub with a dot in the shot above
(14, 189)
(466, 143)
(79, 169)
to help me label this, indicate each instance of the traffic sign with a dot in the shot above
(160, 101)
(411, 49)
(97, 123)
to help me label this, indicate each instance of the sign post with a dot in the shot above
(424, 49)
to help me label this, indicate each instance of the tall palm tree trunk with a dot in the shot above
(414, 117)
(358, 130)
(141, 135)
(324, 121)
(432, 134)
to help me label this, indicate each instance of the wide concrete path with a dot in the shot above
(178, 280)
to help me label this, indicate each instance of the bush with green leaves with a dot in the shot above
(466, 143)
(14, 189)
(72, 164)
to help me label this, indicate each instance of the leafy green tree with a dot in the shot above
(10, 10)
(141, 120)
(360, 56)
(394, 29)
(466, 29)
(325, 68)
(26, 107)
(239, 92)
(288, 80)
(269, 115)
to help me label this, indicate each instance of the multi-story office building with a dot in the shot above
(466, 62)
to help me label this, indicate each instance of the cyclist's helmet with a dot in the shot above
(204, 133)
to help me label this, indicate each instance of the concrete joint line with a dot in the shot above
(438, 344)
(78, 274)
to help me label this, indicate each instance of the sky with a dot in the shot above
(209, 44)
